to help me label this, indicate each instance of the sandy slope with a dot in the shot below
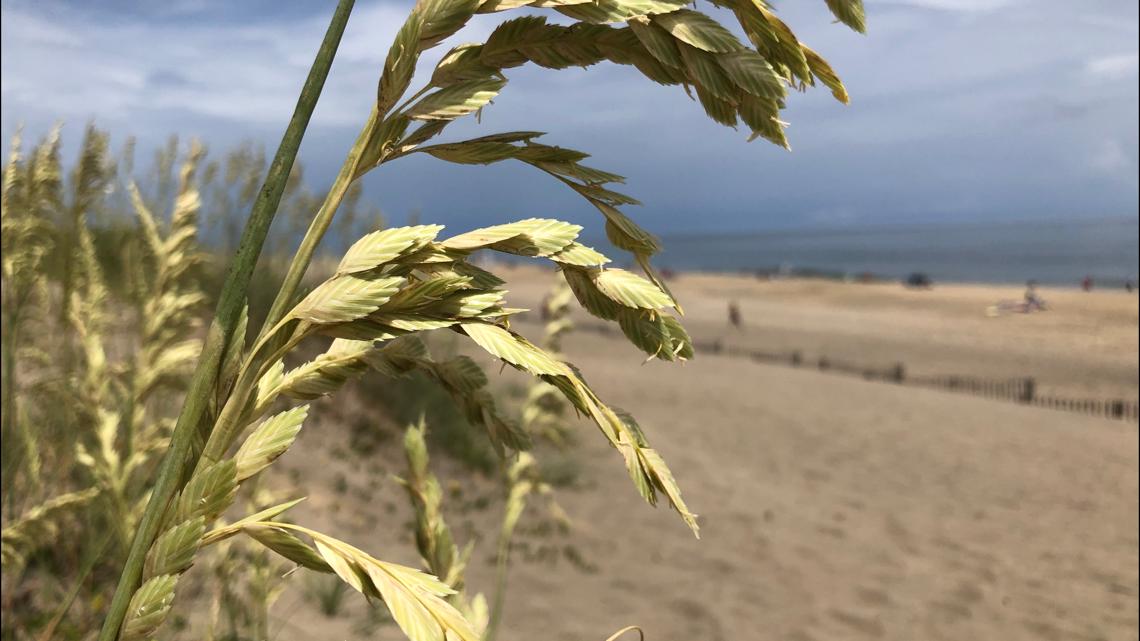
(831, 507)
(834, 508)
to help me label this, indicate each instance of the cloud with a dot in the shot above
(239, 71)
(999, 107)
(1110, 157)
(968, 6)
(1114, 67)
(833, 216)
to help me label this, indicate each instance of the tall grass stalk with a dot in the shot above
(225, 430)
(221, 332)
(393, 285)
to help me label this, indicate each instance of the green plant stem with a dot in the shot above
(128, 414)
(48, 632)
(11, 340)
(502, 563)
(230, 303)
(304, 256)
(10, 352)
(411, 99)
(229, 421)
(501, 567)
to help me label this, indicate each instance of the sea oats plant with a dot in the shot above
(43, 216)
(32, 193)
(394, 284)
(246, 582)
(128, 437)
(98, 373)
(442, 557)
(434, 540)
(542, 416)
(523, 481)
(544, 410)
(99, 366)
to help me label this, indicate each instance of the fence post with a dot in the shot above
(1028, 390)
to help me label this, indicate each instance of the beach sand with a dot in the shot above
(830, 507)
(1084, 346)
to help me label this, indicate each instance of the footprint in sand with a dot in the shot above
(700, 623)
(900, 535)
(872, 596)
(864, 625)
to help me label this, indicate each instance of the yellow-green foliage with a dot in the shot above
(247, 580)
(126, 436)
(39, 526)
(30, 198)
(395, 284)
(523, 481)
(391, 286)
(433, 537)
(434, 540)
(544, 410)
(95, 373)
(169, 297)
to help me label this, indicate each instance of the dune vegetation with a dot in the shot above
(136, 426)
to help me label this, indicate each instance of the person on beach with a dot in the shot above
(734, 314)
(544, 308)
(1033, 302)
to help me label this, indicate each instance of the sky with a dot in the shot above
(961, 111)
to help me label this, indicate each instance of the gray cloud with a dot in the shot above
(961, 110)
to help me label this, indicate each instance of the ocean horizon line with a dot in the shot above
(1058, 252)
(887, 228)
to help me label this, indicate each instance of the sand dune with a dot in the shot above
(835, 508)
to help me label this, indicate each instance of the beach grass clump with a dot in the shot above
(91, 372)
(396, 283)
(245, 405)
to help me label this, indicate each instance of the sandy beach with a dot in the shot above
(831, 507)
(1085, 345)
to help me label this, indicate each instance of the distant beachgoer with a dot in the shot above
(1087, 283)
(919, 280)
(734, 314)
(544, 308)
(1033, 302)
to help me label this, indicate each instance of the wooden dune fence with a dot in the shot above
(1018, 390)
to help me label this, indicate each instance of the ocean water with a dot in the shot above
(1054, 253)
